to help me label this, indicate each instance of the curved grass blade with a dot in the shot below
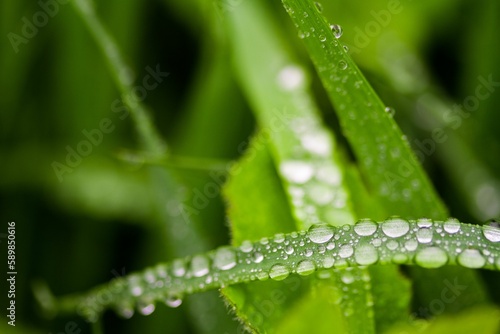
(425, 243)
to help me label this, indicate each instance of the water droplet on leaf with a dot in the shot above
(305, 267)
(365, 255)
(297, 171)
(224, 258)
(451, 225)
(320, 233)
(365, 227)
(471, 258)
(337, 30)
(199, 265)
(431, 257)
(491, 233)
(424, 235)
(395, 227)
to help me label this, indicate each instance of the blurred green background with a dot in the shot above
(108, 217)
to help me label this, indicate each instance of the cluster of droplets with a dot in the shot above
(429, 244)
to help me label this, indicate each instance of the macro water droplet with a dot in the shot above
(346, 277)
(424, 222)
(320, 193)
(246, 246)
(279, 272)
(337, 30)
(424, 235)
(328, 261)
(317, 142)
(491, 233)
(173, 301)
(431, 257)
(346, 48)
(395, 227)
(471, 258)
(258, 257)
(305, 267)
(135, 287)
(279, 238)
(178, 267)
(199, 265)
(224, 258)
(345, 251)
(291, 77)
(390, 111)
(365, 227)
(125, 311)
(318, 6)
(320, 233)
(289, 250)
(392, 245)
(146, 309)
(322, 38)
(411, 245)
(342, 65)
(365, 255)
(296, 171)
(451, 225)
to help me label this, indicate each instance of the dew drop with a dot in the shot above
(296, 171)
(451, 225)
(289, 250)
(178, 268)
(318, 6)
(345, 251)
(411, 245)
(322, 38)
(320, 233)
(330, 245)
(365, 227)
(390, 111)
(224, 258)
(395, 227)
(431, 257)
(365, 255)
(146, 309)
(328, 262)
(199, 265)
(471, 258)
(305, 267)
(246, 246)
(279, 238)
(424, 222)
(125, 312)
(342, 65)
(258, 257)
(392, 245)
(279, 272)
(337, 30)
(290, 78)
(173, 301)
(424, 235)
(321, 194)
(318, 143)
(347, 277)
(346, 48)
(491, 233)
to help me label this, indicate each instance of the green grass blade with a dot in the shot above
(385, 158)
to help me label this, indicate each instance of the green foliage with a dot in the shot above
(274, 130)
